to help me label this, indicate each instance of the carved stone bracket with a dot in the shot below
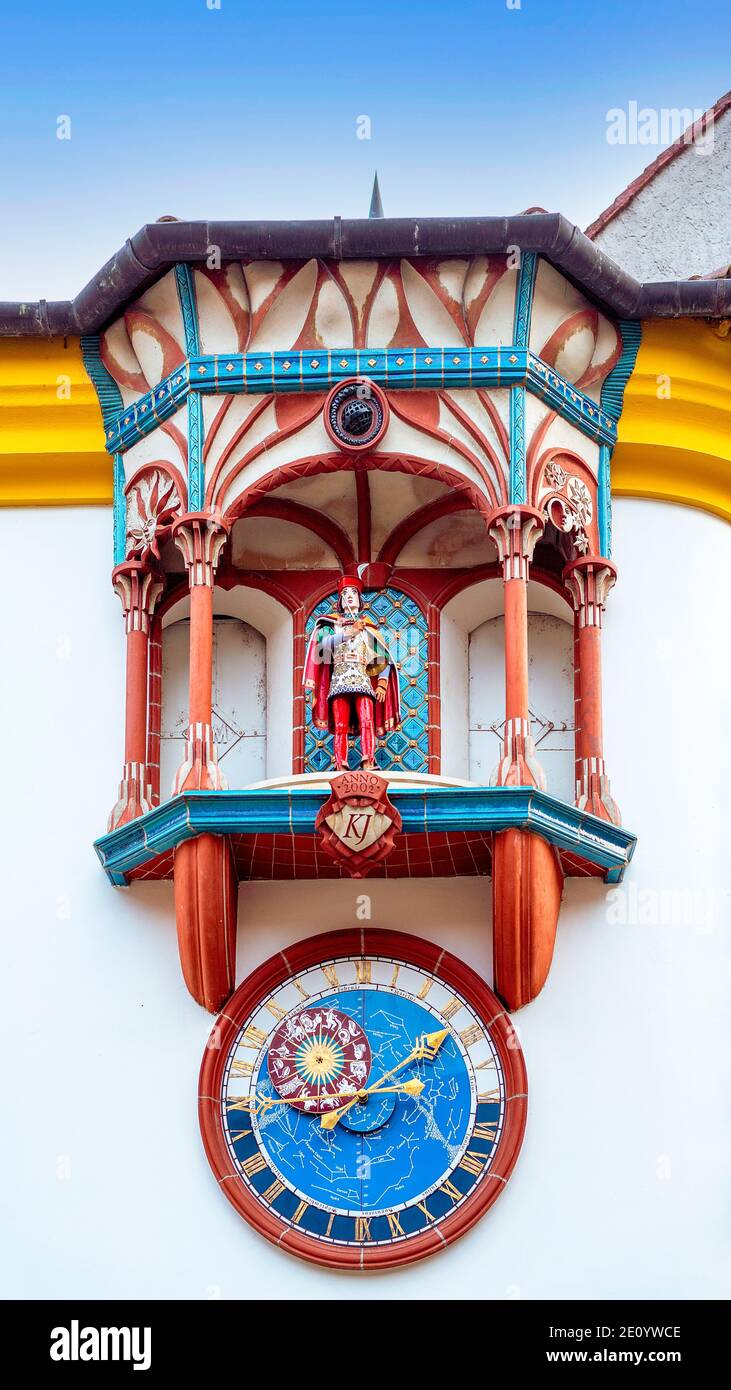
(200, 538)
(516, 532)
(589, 581)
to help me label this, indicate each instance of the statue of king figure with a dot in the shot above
(351, 677)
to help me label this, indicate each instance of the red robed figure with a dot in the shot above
(351, 676)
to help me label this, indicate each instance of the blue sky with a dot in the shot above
(250, 111)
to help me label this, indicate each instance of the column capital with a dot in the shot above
(516, 531)
(589, 580)
(200, 538)
(139, 587)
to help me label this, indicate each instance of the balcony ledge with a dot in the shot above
(593, 846)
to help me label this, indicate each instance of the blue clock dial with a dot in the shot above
(363, 1101)
(404, 1143)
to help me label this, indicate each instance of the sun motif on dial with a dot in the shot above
(316, 1054)
(319, 1061)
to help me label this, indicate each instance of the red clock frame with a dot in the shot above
(303, 956)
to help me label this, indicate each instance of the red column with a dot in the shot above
(527, 878)
(200, 538)
(154, 708)
(139, 588)
(515, 531)
(589, 580)
(204, 872)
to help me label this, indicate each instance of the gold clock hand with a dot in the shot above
(425, 1049)
(261, 1104)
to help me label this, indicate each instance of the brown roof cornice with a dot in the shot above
(160, 245)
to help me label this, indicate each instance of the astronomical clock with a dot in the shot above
(363, 546)
(363, 1099)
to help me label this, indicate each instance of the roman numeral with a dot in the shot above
(485, 1130)
(451, 1190)
(471, 1035)
(423, 1207)
(245, 1103)
(394, 977)
(330, 1224)
(276, 1011)
(242, 1068)
(362, 1228)
(427, 985)
(254, 1165)
(273, 1192)
(331, 975)
(300, 989)
(253, 1037)
(302, 1208)
(394, 1224)
(480, 1066)
(488, 1097)
(472, 1163)
(450, 1009)
(363, 972)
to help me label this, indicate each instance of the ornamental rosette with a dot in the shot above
(580, 499)
(152, 503)
(568, 504)
(555, 475)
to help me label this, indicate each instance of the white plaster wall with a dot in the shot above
(453, 689)
(239, 701)
(551, 698)
(472, 680)
(270, 618)
(678, 225)
(622, 1186)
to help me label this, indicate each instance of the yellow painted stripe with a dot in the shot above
(676, 449)
(51, 431)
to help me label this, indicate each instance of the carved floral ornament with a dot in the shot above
(569, 505)
(153, 501)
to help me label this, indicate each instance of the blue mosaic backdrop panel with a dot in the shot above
(404, 627)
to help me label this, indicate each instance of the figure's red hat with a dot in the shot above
(350, 581)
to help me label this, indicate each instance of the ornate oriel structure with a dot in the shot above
(361, 478)
(416, 530)
(392, 431)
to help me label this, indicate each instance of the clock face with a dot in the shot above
(363, 1099)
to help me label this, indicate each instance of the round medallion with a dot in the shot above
(363, 1099)
(316, 1057)
(356, 414)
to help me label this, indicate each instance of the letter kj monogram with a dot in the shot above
(357, 823)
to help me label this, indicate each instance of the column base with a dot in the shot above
(200, 771)
(134, 796)
(206, 902)
(527, 884)
(519, 765)
(593, 792)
